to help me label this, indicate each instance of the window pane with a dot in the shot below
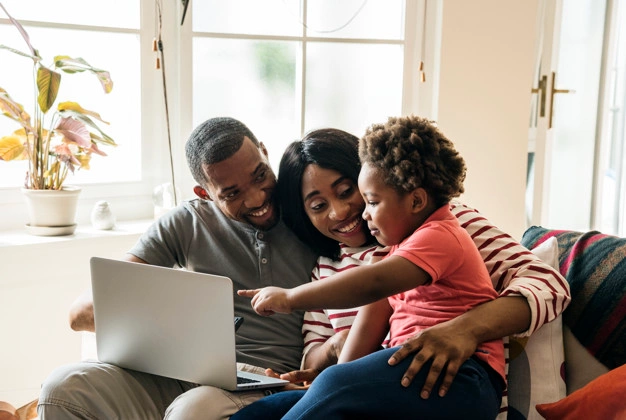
(111, 13)
(356, 19)
(575, 114)
(253, 81)
(613, 176)
(354, 91)
(119, 58)
(268, 17)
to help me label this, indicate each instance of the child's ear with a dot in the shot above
(420, 199)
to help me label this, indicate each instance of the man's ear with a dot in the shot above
(263, 149)
(419, 198)
(202, 193)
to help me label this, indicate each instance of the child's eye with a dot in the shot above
(261, 176)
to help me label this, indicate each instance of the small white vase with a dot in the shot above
(52, 208)
(102, 217)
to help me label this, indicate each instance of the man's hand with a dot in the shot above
(268, 300)
(447, 345)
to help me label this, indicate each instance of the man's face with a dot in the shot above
(242, 186)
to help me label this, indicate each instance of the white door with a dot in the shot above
(564, 113)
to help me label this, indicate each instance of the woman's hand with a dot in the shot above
(446, 345)
(299, 379)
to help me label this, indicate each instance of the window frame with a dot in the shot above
(133, 200)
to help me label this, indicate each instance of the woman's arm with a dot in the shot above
(514, 270)
(368, 331)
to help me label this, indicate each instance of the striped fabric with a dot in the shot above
(514, 270)
(320, 325)
(594, 265)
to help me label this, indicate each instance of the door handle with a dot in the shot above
(541, 89)
(554, 91)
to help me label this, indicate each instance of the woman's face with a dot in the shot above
(334, 205)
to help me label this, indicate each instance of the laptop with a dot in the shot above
(168, 322)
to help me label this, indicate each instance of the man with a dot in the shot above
(234, 230)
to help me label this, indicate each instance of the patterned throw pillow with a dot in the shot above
(594, 265)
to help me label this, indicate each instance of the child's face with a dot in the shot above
(388, 214)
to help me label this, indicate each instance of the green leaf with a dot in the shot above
(74, 106)
(74, 65)
(70, 65)
(48, 83)
(18, 52)
(97, 139)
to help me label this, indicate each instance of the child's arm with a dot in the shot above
(368, 331)
(355, 287)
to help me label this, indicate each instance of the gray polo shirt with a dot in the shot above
(198, 236)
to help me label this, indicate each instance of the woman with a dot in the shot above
(321, 203)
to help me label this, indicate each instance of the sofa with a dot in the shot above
(574, 367)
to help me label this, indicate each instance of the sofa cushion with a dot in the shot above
(536, 362)
(600, 399)
(594, 265)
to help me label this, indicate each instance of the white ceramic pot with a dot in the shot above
(52, 212)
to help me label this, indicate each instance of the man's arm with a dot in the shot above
(81, 310)
(451, 343)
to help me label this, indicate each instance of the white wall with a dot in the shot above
(39, 279)
(487, 54)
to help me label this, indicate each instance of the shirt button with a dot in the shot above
(260, 236)
(264, 260)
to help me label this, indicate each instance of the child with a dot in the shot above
(433, 272)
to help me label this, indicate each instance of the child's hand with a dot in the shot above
(268, 300)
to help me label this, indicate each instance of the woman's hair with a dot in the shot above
(410, 152)
(327, 148)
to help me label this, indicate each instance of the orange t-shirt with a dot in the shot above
(459, 282)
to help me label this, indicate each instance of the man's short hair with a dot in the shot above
(213, 141)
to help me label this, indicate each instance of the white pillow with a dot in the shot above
(536, 366)
(548, 252)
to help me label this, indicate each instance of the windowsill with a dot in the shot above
(21, 237)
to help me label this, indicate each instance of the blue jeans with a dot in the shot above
(369, 388)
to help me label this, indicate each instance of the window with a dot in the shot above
(305, 65)
(611, 191)
(283, 67)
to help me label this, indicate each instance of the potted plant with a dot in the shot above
(56, 140)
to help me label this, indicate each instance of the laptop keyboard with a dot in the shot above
(241, 380)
